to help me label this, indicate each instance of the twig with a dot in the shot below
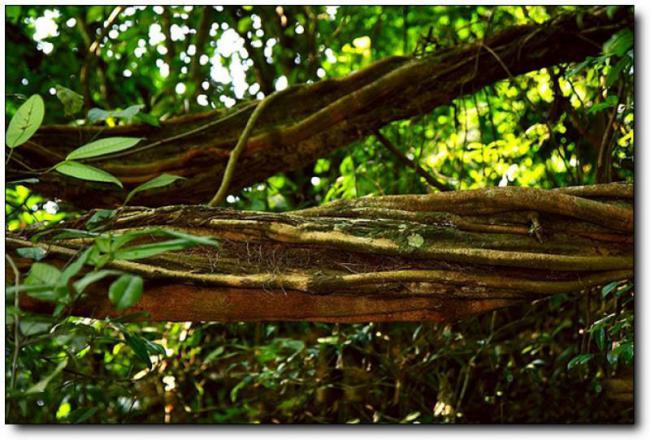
(603, 170)
(234, 155)
(410, 163)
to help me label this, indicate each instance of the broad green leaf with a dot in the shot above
(139, 347)
(125, 291)
(33, 253)
(42, 385)
(34, 326)
(619, 43)
(153, 348)
(86, 172)
(93, 277)
(26, 121)
(73, 268)
(97, 114)
(43, 273)
(156, 182)
(102, 147)
(129, 112)
(71, 100)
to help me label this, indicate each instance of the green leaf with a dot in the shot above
(71, 233)
(626, 350)
(154, 348)
(156, 182)
(73, 268)
(129, 112)
(97, 114)
(581, 66)
(26, 121)
(12, 13)
(581, 359)
(139, 347)
(609, 102)
(619, 43)
(43, 273)
(148, 119)
(151, 249)
(33, 253)
(93, 277)
(608, 288)
(86, 172)
(195, 239)
(71, 100)
(622, 65)
(102, 147)
(612, 357)
(99, 217)
(42, 385)
(611, 10)
(599, 337)
(34, 326)
(125, 291)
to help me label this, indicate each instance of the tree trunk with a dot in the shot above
(307, 121)
(439, 256)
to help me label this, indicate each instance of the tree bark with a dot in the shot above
(437, 257)
(309, 121)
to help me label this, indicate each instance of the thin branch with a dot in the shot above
(234, 154)
(410, 163)
(603, 169)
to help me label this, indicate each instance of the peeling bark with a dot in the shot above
(308, 121)
(440, 256)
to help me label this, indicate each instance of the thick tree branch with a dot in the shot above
(310, 121)
(439, 256)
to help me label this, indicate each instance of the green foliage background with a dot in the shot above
(540, 363)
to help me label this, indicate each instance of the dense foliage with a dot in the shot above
(553, 361)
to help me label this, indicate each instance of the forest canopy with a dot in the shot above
(185, 182)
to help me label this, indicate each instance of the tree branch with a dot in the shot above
(310, 121)
(437, 256)
(411, 164)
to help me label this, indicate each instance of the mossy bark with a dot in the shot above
(440, 256)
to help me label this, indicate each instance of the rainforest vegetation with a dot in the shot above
(319, 214)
